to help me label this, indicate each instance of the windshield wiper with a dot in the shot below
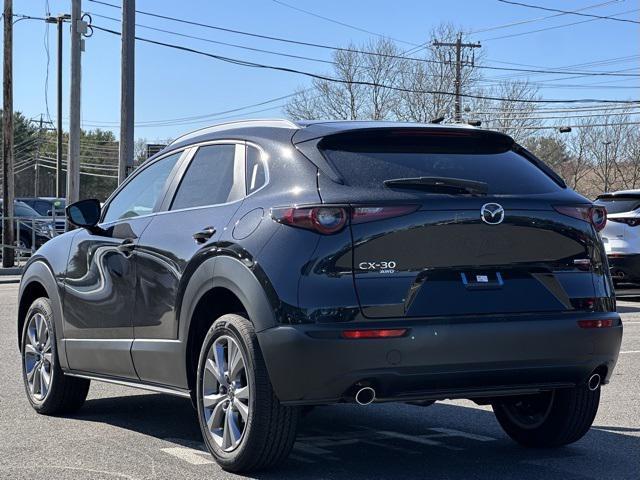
(440, 184)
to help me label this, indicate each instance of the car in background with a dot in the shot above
(31, 227)
(621, 234)
(49, 207)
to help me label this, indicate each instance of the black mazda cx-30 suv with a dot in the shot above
(260, 266)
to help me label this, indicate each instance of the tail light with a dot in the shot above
(325, 220)
(331, 219)
(632, 222)
(595, 215)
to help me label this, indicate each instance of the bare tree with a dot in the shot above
(607, 136)
(512, 115)
(579, 165)
(435, 73)
(344, 100)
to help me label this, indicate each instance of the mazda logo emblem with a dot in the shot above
(492, 213)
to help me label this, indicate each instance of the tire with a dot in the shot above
(39, 353)
(550, 419)
(266, 432)
(25, 242)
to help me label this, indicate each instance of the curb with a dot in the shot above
(7, 279)
(10, 271)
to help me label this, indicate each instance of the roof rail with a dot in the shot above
(220, 127)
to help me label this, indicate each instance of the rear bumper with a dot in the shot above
(624, 268)
(312, 364)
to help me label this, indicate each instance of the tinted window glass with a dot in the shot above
(368, 161)
(24, 210)
(256, 173)
(140, 195)
(210, 178)
(42, 207)
(619, 204)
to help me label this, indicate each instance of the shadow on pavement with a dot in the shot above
(393, 441)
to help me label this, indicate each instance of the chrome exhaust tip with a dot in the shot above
(365, 396)
(594, 382)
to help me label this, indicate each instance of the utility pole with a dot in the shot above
(7, 138)
(59, 20)
(460, 62)
(36, 167)
(127, 82)
(78, 27)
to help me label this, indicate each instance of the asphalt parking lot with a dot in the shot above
(131, 434)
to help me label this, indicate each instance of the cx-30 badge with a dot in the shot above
(492, 213)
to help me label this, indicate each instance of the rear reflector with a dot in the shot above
(388, 333)
(595, 323)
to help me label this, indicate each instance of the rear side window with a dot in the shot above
(367, 160)
(619, 204)
(211, 179)
(256, 171)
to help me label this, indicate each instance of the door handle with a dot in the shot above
(126, 247)
(203, 235)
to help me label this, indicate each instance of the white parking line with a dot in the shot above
(189, 455)
(457, 433)
(631, 351)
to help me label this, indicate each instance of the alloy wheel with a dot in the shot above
(38, 357)
(530, 411)
(226, 393)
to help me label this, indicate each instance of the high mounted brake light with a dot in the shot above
(331, 219)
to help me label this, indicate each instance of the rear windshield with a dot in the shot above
(368, 161)
(619, 204)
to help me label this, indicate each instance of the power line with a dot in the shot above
(565, 117)
(553, 27)
(259, 49)
(329, 47)
(556, 127)
(353, 27)
(531, 20)
(247, 63)
(203, 39)
(512, 24)
(195, 118)
(600, 17)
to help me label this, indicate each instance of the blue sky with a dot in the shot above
(172, 84)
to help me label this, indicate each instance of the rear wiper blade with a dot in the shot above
(440, 184)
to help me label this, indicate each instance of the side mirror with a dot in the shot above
(85, 214)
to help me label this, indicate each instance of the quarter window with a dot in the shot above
(213, 178)
(256, 172)
(139, 196)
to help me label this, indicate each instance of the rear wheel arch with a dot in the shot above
(221, 285)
